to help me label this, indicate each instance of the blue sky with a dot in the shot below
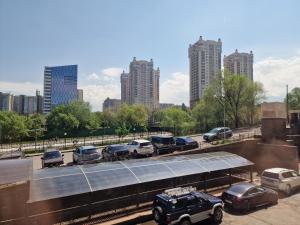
(103, 36)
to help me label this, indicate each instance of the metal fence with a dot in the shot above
(66, 143)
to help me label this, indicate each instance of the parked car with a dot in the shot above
(185, 143)
(52, 157)
(115, 152)
(140, 147)
(163, 144)
(281, 179)
(186, 206)
(86, 154)
(217, 133)
(244, 196)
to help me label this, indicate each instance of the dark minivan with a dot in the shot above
(163, 144)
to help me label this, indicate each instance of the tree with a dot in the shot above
(178, 120)
(13, 127)
(122, 131)
(133, 116)
(60, 121)
(294, 98)
(239, 95)
(82, 112)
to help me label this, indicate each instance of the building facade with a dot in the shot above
(204, 64)
(6, 102)
(80, 95)
(141, 84)
(60, 86)
(125, 88)
(240, 63)
(111, 104)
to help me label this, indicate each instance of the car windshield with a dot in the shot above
(54, 154)
(213, 131)
(89, 151)
(145, 144)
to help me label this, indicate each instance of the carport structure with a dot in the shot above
(68, 193)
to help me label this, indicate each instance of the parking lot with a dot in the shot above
(286, 212)
(37, 163)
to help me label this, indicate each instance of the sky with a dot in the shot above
(102, 37)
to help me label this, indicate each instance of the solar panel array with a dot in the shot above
(15, 171)
(54, 183)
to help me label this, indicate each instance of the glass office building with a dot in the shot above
(60, 86)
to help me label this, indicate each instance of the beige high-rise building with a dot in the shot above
(125, 88)
(141, 84)
(240, 63)
(204, 64)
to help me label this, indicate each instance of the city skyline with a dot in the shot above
(164, 36)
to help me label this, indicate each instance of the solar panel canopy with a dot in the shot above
(15, 171)
(54, 183)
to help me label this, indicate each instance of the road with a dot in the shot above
(37, 164)
(286, 212)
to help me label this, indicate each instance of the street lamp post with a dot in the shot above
(65, 134)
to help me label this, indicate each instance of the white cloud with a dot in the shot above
(176, 89)
(276, 73)
(93, 76)
(95, 94)
(112, 72)
(25, 88)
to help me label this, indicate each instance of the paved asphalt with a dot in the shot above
(286, 212)
(37, 164)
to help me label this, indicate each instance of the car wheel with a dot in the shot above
(218, 215)
(135, 154)
(157, 213)
(156, 151)
(185, 222)
(288, 190)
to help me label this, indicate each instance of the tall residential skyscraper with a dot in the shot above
(141, 84)
(205, 63)
(240, 63)
(60, 86)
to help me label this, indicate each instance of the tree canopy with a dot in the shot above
(294, 98)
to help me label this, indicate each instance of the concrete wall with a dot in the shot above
(263, 155)
(273, 128)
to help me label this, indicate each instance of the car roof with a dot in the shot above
(277, 170)
(163, 136)
(117, 145)
(87, 147)
(52, 150)
(141, 140)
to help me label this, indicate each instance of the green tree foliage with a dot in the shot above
(133, 116)
(122, 131)
(12, 126)
(177, 119)
(240, 96)
(70, 118)
(294, 98)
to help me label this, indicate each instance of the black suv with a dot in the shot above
(163, 144)
(185, 206)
